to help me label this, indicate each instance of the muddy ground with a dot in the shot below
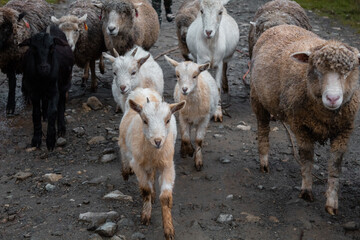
(263, 206)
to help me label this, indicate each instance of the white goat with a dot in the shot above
(198, 88)
(137, 68)
(213, 37)
(147, 139)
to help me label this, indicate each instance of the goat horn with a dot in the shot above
(116, 53)
(147, 100)
(48, 29)
(134, 52)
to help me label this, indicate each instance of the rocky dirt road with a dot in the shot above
(253, 205)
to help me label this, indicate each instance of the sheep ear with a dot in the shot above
(116, 54)
(171, 61)
(134, 106)
(109, 57)
(204, 67)
(301, 57)
(134, 52)
(177, 106)
(55, 20)
(83, 18)
(26, 42)
(141, 61)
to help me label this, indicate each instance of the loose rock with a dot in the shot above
(95, 237)
(69, 119)
(79, 131)
(350, 226)
(223, 218)
(85, 107)
(224, 160)
(49, 187)
(96, 140)
(138, 236)
(243, 126)
(107, 230)
(117, 195)
(125, 222)
(61, 142)
(53, 177)
(94, 103)
(108, 158)
(22, 175)
(97, 218)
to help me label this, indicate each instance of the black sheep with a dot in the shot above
(48, 66)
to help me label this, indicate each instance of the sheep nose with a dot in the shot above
(332, 98)
(184, 89)
(111, 28)
(157, 142)
(122, 88)
(208, 33)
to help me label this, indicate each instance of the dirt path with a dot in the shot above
(263, 206)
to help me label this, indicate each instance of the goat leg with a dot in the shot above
(52, 115)
(36, 117)
(61, 115)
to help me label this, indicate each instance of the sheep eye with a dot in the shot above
(145, 122)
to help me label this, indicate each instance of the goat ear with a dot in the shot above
(253, 24)
(83, 18)
(21, 15)
(177, 106)
(204, 67)
(171, 61)
(141, 61)
(134, 52)
(60, 42)
(26, 42)
(134, 106)
(109, 57)
(55, 20)
(301, 57)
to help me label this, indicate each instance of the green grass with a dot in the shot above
(347, 11)
(3, 2)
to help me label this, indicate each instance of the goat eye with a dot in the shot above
(221, 12)
(133, 73)
(202, 11)
(168, 121)
(115, 73)
(194, 77)
(145, 122)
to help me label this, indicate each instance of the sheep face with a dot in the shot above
(156, 117)
(126, 71)
(187, 74)
(118, 18)
(331, 72)
(71, 26)
(211, 14)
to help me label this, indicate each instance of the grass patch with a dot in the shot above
(3, 2)
(347, 11)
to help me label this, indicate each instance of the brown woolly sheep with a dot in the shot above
(83, 31)
(184, 17)
(312, 85)
(274, 13)
(19, 20)
(127, 23)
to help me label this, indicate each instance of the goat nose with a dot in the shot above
(184, 89)
(111, 28)
(208, 33)
(157, 141)
(332, 98)
(122, 87)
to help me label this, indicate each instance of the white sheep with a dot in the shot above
(212, 38)
(198, 88)
(137, 68)
(147, 139)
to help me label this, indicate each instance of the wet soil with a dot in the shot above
(263, 206)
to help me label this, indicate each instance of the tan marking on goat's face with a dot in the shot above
(187, 73)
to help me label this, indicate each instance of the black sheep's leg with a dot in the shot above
(44, 108)
(52, 115)
(60, 115)
(36, 116)
(10, 107)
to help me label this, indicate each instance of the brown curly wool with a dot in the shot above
(274, 13)
(38, 13)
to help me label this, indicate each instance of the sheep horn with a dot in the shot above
(116, 54)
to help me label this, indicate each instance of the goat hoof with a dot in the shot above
(332, 211)
(170, 236)
(10, 110)
(198, 167)
(145, 220)
(264, 169)
(50, 143)
(306, 195)
(61, 133)
(36, 142)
